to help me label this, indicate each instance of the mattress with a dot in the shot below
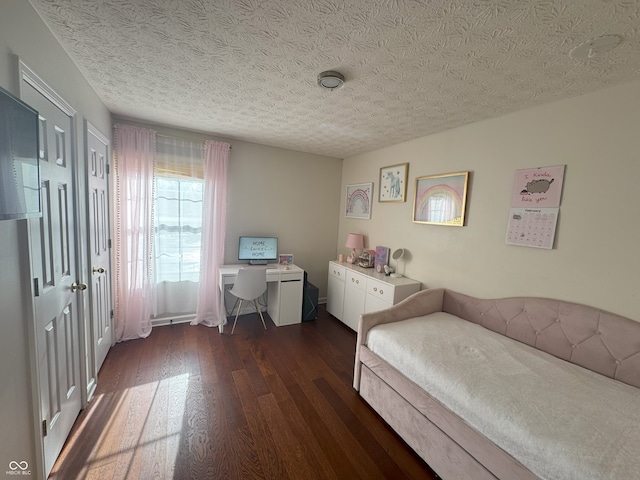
(559, 420)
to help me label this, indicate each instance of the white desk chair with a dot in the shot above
(250, 284)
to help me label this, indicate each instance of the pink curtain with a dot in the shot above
(214, 222)
(134, 158)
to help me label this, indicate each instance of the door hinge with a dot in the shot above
(36, 287)
(108, 169)
(44, 427)
(109, 243)
(111, 314)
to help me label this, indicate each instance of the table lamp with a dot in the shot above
(354, 240)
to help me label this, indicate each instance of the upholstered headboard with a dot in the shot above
(600, 341)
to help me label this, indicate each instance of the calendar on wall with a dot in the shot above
(535, 206)
(532, 227)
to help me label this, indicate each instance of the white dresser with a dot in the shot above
(353, 290)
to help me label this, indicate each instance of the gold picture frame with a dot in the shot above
(441, 199)
(393, 183)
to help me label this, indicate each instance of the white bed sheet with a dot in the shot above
(559, 420)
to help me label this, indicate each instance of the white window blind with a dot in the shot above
(178, 223)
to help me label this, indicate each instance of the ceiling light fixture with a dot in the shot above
(330, 80)
(596, 46)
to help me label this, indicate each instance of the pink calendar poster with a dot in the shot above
(538, 187)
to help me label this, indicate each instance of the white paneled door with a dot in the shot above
(100, 331)
(58, 293)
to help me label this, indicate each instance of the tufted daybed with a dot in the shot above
(516, 388)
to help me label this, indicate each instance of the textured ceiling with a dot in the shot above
(246, 69)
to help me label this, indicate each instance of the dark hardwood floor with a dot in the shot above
(189, 403)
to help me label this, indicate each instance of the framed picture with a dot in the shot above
(285, 259)
(538, 187)
(393, 183)
(382, 258)
(441, 199)
(358, 200)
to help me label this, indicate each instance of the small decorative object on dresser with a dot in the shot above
(382, 258)
(354, 241)
(397, 256)
(367, 259)
(285, 259)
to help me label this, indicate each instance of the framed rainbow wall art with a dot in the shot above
(358, 200)
(441, 199)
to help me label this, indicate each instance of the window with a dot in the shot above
(177, 242)
(162, 224)
(178, 230)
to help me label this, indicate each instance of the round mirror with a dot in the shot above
(398, 254)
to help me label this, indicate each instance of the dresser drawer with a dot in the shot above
(289, 276)
(380, 290)
(336, 271)
(356, 280)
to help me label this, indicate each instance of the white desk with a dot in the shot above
(284, 291)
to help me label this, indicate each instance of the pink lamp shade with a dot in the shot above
(354, 240)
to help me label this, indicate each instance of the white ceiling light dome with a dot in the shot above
(330, 80)
(596, 46)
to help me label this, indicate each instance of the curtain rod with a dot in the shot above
(185, 138)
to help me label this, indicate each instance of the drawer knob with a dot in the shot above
(375, 289)
(381, 292)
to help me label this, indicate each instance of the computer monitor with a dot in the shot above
(257, 250)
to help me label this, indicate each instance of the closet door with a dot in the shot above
(58, 293)
(99, 334)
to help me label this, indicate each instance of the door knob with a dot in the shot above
(78, 286)
(98, 270)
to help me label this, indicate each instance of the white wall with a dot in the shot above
(24, 35)
(595, 260)
(292, 195)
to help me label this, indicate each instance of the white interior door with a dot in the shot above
(53, 259)
(100, 329)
